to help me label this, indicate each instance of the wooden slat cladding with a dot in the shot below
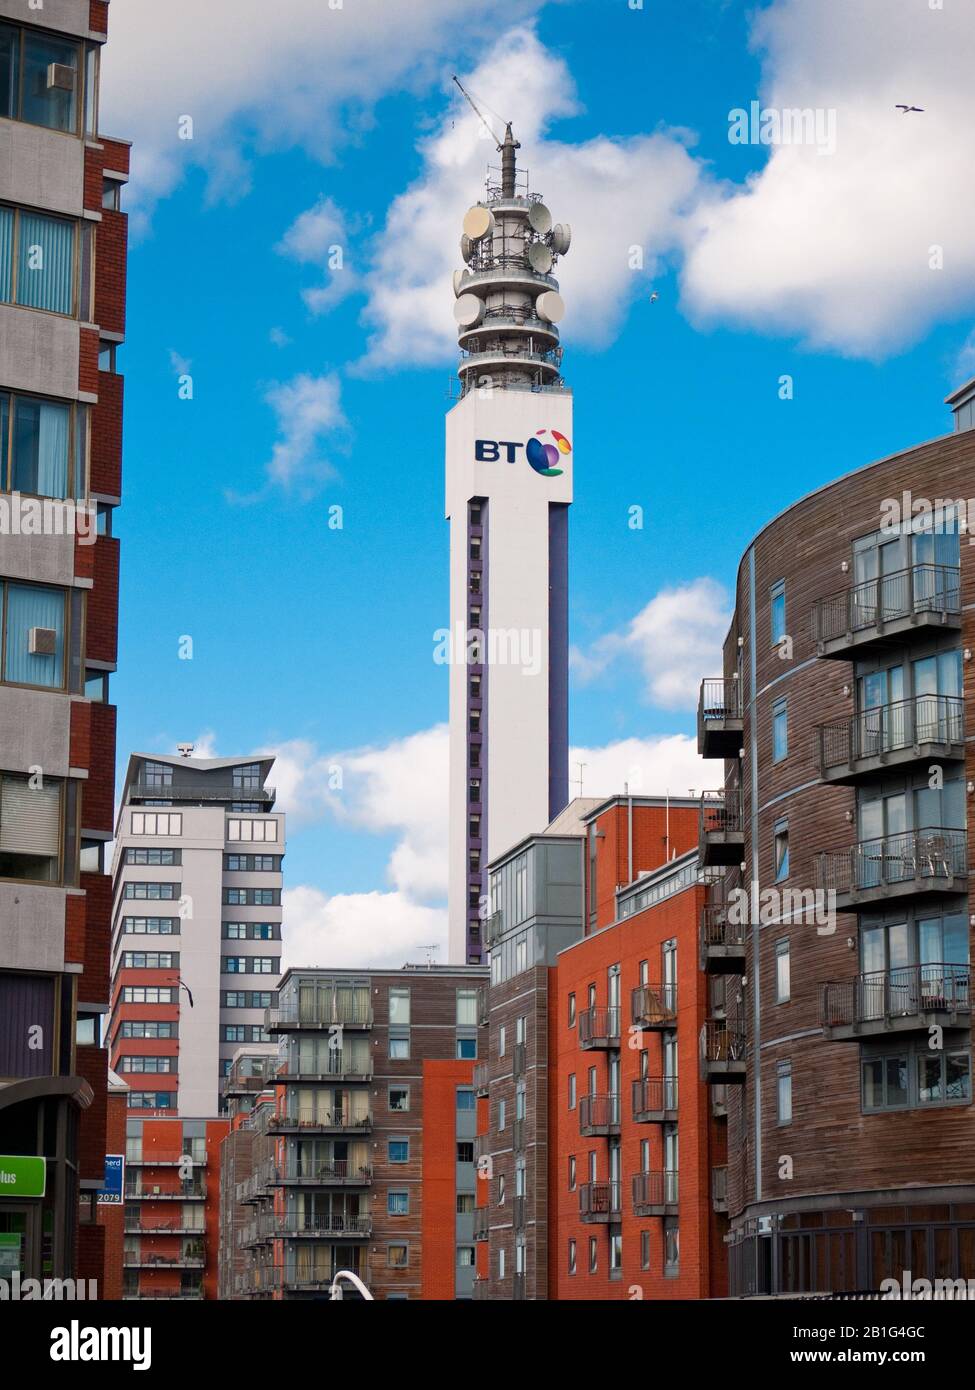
(832, 1145)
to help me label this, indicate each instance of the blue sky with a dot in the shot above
(318, 641)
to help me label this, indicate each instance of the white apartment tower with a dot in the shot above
(196, 925)
(509, 457)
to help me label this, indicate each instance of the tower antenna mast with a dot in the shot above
(479, 113)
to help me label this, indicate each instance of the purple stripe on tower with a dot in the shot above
(476, 597)
(558, 658)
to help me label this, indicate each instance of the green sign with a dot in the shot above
(21, 1176)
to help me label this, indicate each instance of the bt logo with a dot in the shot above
(542, 457)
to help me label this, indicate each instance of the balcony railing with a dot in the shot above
(655, 1193)
(723, 938)
(482, 1075)
(654, 1005)
(720, 831)
(723, 1050)
(915, 861)
(483, 1006)
(209, 791)
(655, 1099)
(296, 1121)
(324, 1171)
(339, 1064)
(482, 1223)
(599, 1202)
(152, 1260)
(891, 735)
(191, 1192)
(866, 613)
(599, 1115)
(719, 1187)
(493, 927)
(719, 718)
(599, 1028)
(907, 998)
(292, 1017)
(300, 1224)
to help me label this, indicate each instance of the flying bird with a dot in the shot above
(905, 109)
(654, 297)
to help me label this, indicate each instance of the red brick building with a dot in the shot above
(62, 318)
(602, 1155)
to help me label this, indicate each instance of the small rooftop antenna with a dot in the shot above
(506, 147)
(431, 950)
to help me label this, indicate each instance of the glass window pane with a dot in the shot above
(6, 253)
(9, 59)
(873, 1084)
(929, 1086)
(50, 82)
(32, 614)
(896, 1068)
(45, 263)
(958, 1077)
(40, 463)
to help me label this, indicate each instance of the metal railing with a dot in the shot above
(599, 1112)
(905, 992)
(655, 1189)
(338, 1016)
(323, 1170)
(493, 928)
(293, 1223)
(939, 854)
(599, 1201)
(891, 728)
(654, 1005)
(875, 602)
(482, 1077)
(131, 1260)
(318, 1119)
(599, 1025)
(719, 700)
(717, 930)
(210, 791)
(720, 813)
(655, 1094)
(722, 1040)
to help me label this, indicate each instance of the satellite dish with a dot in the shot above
(469, 310)
(539, 218)
(550, 306)
(478, 221)
(459, 277)
(466, 247)
(561, 238)
(540, 258)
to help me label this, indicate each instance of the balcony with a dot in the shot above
(719, 1189)
(294, 1019)
(204, 792)
(131, 1260)
(903, 734)
(722, 1050)
(908, 999)
(341, 1068)
(655, 1194)
(722, 940)
(482, 1223)
(720, 834)
(654, 1006)
(886, 610)
(482, 1076)
(599, 1029)
(184, 1295)
(483, 1007)
(190, 1193)
(913, 863)
(655, 1100)
(719, 718)
(493, 928)
(319, 1122)
(182, 1162)
(599, 1115)
(599, 1202)
(327, 1226)
(323, 1173)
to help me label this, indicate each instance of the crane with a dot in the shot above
(479, 113)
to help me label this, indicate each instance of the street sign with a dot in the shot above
(111, 1194)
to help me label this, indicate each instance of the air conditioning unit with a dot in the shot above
(60, 78)
(42, 641)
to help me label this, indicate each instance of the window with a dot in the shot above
(397, 1256)
(783, 972)
(398, 1203)
(502, 1036)
(250, 965)
(466, 1049)
(34, 633)
(96, 685)
(783, 1084)
(475, 789)
(466, 1008)
(150, 960)
(164, 857)
(399, 1006)
(572, 1172)
(40, 78)
(572, 1011)
(148, 994)
(37, 260)
(398, 1150)
(474, 827)
(780, 731)
(147, 1064)
(36, 439)
(777, 611)
(502, 1114)
(266, 830)
(501, 1188)
(151, 892)
(465, 1256)
(572, 1257)
(465, 1203)
(152, 1100)
(501, 1263)
(465, 1100)
(644, 1249)
(911, 1079)
(30, 829)
(252, 897)
(780, 850)
(399, 1098)
(593, 1255)
(572, 1091)
(399, 1047)
(465, 1151)
(252, 863)
(671, 1248)
(111, 195)
(147, 1028)
(615, 1254)
(152, 823)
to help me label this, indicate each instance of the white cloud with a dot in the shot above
(836, 248)
(367, 930)
(255, 77)
(279, 338)
(676, 639)
(648, 766)
(179, 364)
(616, 194)
(321, 236)
(309, 410)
